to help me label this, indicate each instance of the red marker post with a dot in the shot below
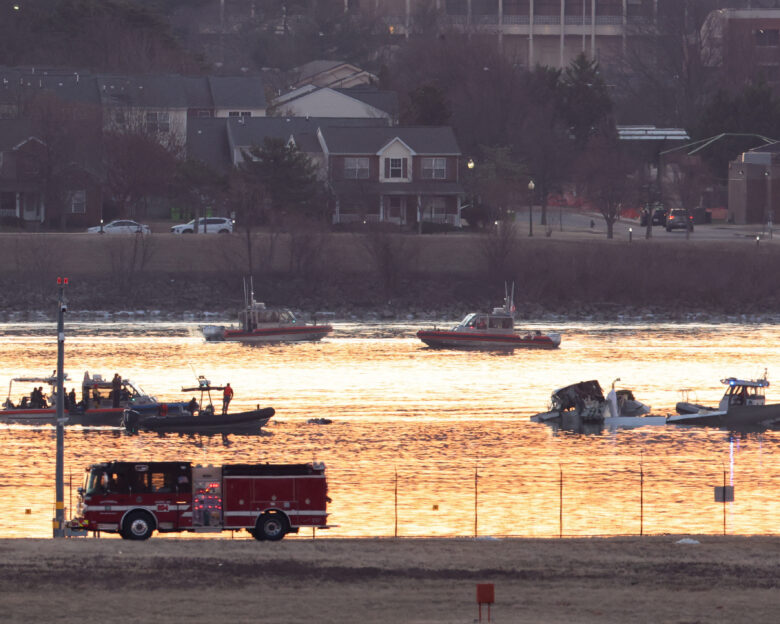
(485, 595)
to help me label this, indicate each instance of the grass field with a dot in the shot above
(603, 581)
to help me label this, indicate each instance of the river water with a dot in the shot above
(426, 442)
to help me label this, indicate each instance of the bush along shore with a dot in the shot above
(539, 297)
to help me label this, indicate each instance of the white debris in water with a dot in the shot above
(687, 540)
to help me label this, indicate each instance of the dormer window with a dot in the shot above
(395, 168)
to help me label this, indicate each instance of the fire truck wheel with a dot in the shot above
(271, 526)
(138, 525)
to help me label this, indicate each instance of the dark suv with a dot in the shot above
(679, 219)
(656, 215)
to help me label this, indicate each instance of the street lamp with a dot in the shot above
(531, 187)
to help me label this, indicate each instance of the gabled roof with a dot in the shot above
(313, 68)
(15, 132)
(434, 140)
(383, 100)
(247, 131)
(207, 141)
(316, 72)
(240, 92)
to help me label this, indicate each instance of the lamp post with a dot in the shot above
(769, 215)
(59, 513)
(531, 187)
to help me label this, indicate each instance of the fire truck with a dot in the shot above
(268, 500)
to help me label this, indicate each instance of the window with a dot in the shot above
(437, 207)
(767, 37)
(396, 168)
(239, 114)
(356, 168)
(434, 168)
(158, 122)
(78, 202)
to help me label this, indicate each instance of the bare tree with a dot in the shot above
(390, 254)
(497, 248)
(128, 257)
(604, 174)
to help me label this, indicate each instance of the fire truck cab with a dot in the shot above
(268, 500)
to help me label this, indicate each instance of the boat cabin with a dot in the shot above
(257, 315)
(498, 322)
(743, 392)
(97, 392)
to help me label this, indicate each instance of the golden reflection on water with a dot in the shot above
(422, 423)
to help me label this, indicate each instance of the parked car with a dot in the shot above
(120, 226)
(679, 219)
(659, 216)
(206, 225)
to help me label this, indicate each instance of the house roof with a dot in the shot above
(243, 92)
(313, 68)
(207, 141)
(383, 100)
(154, 91)
(315, 72)
(651, 133)
(246, 131)
(14, 132)
(438, 140)
(73, 86)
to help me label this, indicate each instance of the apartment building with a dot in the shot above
(549, 32)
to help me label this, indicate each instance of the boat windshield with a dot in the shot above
(468, 319)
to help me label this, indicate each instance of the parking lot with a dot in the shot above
(573, 223)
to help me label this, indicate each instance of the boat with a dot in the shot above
(198, 417)
(495, 330)
(95, 408)
(205, 421)
(583, 407)
(743, 406)
(259, 324)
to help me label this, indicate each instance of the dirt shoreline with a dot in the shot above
(648, 579)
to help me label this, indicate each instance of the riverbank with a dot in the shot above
(617, 580)
(391, 276)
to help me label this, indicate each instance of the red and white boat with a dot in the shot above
(95, 407)
(259, 324)
(495, 330)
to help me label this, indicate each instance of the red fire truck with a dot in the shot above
(268, 500)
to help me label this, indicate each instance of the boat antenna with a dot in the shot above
(509, 299)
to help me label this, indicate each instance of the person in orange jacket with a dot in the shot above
(227, 396)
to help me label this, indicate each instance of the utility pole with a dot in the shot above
(59, 517)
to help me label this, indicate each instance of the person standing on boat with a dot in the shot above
(192, 406)
(227, 396)
(116, 389)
